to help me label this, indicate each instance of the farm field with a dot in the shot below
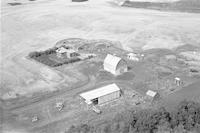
(145, 30)
(168, 41)
(177, 5)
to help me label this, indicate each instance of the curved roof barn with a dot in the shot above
(114, 64)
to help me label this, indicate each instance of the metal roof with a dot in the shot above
(100, 92)
(112, 61)
(151, 93)
(177, 78)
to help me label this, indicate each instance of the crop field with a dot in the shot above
(183, 5)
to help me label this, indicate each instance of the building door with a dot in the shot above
(95, 101)
(122, 70)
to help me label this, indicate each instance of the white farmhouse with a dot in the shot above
(71, 53)
(61, 52)
(115, 65)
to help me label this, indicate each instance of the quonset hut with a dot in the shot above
(115, 65)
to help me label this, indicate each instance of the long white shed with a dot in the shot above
(102, 95)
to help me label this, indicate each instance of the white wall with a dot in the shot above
(109, 97)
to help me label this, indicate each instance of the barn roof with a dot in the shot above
(112, 61)
(151, 93)
(99, 92)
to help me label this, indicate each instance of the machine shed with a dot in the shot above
(101, 95)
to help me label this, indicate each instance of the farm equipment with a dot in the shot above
(137, 103)
(59, 105)
(34, 119)
(96, 110)
(178, 81)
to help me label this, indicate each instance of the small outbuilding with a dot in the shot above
(71, 53)
(152, 95)
(178, 81)
(115, 65)
(61, 52)
(102, 95)
(132, 56)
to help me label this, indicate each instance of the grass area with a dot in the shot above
(183, 5)
(190, 92)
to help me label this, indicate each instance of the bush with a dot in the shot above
(50, 51)
(34, 54)
(42, 57)
(83, 128)
(186, 118)
(40, 53)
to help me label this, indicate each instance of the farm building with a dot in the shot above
(178, 81)
(132, 56)
(152, 95)
(61, 52)
(101, 95)
(71, 53)
(115, 65)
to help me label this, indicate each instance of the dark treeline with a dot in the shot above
(184, 119)
(183, 5)
(43, 57)
(40, 53)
